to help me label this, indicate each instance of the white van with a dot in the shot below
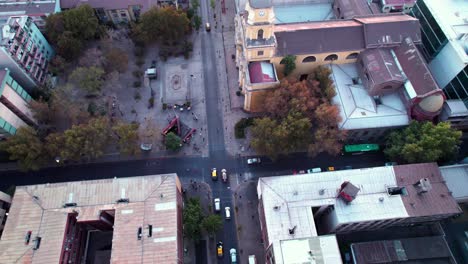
(228, 212)
(314, 170)
(217, 205)
(252, 259)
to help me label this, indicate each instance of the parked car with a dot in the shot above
(392, 163)
(302, 172)
(233, 254)
(331, 168)
(253, 161)
(224, 175)
(214, 174)
(348, 167)
(314, 170)
(217, 205)
(227, 210)
(208, 27)
(219, 249)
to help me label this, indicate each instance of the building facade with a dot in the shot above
(14, 106)
(310, 205)
(382, 80)
(5, 202)
(25, 51)
(37, 10)
(121, 220)
(445, 43)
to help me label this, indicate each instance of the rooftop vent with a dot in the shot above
(292, 230)
(276, 207)
(397, 191)
(295, 193)
(348, 191)
(123, 200)
(69, 205)
(381, 199)
(322, 191)
(27, 238)
(139, 233)
(37, 242)
(423, 186)
(150, 230)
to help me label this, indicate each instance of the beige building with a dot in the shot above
(120, 220)
(14, 109)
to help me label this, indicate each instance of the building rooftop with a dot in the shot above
(350, 9)
(420, 250)
(48, 209)
(346, 35)
(452, 17)
(18, 7)
(358, 109)
(288, 200)
(456, 177)
(312, 250)
(303, 13)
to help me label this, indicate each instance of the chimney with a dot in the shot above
(423, 186)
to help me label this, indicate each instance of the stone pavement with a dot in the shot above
(248, 225)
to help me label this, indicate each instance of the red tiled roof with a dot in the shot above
(437, 201)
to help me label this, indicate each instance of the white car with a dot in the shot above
(233, 254)
(224, 175)
(253, 161)
(228, 212)
(217, 204)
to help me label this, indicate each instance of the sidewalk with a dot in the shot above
(249, 234)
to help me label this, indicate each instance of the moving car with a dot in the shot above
(233, 254)
(214, 174)
(253, 161)
(208, 27)
(224, 175)
(219, 249)
(228, 212)
(314, 170)
(217, 205)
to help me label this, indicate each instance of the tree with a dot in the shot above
(27, 148)
(173, 142)
(89, 79)
(81, 141)
(289, 64)
(195, 4)
(91, 57)
(197, 22)
(322, 75)
(70, 29)
(43, 116)
(57, 65)
(212, 224)
(423, 142)
(193, 216)
(163, 24)
(116, 60)
(127, 135)
(212, 4)
(64, 106)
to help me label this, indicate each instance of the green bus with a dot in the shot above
(361, 148)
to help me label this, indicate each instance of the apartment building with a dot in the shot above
(14, 106)
(5, 202)
(120, 220)
(25, 51)
(311, 205)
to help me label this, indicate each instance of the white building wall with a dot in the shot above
(18, 73)
(446, 65)
(11, 117)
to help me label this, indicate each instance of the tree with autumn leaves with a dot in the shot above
(299, 117)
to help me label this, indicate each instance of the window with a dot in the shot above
(331, 57)
(260, 53)
(352, 56)
(309, 59)
(260, 34)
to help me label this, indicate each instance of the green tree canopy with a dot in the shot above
(89, 79)
(173, 142)
(212, 224)
(71, 28)
(81, 141)
(289, 64)
(26, 147)
(127, 135)
(163, 24)
(423, 142)
(193, 216)
(116, 60)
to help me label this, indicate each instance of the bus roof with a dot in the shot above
(361, 147)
